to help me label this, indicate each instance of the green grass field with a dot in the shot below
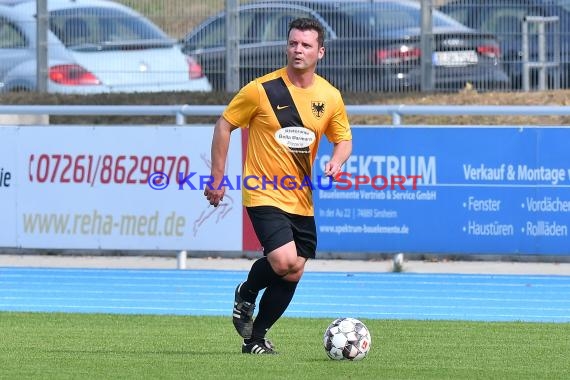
(86, 346)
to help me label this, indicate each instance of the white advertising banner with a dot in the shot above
(8, 178)
(123, 187)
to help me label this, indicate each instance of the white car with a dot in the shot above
(94, 46)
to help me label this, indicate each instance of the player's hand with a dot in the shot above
(214, 196)
(332, 169)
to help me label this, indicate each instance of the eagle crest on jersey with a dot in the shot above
(318, 108)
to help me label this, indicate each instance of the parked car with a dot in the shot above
(370, 46)
(95, 46)
(504, 18)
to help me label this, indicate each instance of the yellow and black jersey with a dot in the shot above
(285, 125)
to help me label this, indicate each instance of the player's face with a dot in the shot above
(303, 51)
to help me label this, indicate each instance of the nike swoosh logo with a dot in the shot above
(282, 107)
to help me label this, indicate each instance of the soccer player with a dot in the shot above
(287, 112)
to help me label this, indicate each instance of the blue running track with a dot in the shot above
(533, 298)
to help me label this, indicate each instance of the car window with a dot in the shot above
(276, 23)
(507, 22)
(563, 3)
(252, 26)
(377, 18)
(463, 15)
(10, 36)
(99, 25)
(213, 34)
(503, 23)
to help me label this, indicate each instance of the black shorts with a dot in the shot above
(275, 227)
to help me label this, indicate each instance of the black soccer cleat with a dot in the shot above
(243, 315)
(258, 347)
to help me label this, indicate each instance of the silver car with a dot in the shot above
(94, 46)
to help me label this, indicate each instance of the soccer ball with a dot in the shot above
(347, 338)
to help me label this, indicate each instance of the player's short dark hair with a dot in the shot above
(309, 24)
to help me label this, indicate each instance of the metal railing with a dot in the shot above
(542, 64)
(181, 112)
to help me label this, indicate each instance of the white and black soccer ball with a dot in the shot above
(347, 338)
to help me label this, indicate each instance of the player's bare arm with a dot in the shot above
(341, 153)
(219, 152)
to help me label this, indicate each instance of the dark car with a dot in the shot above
(504, 18)
(370, 46)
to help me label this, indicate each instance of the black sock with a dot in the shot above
(260, 276)
(272, 305)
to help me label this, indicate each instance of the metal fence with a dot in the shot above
(22, 115)
(382, 46)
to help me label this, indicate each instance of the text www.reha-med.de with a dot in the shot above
(96, 223)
